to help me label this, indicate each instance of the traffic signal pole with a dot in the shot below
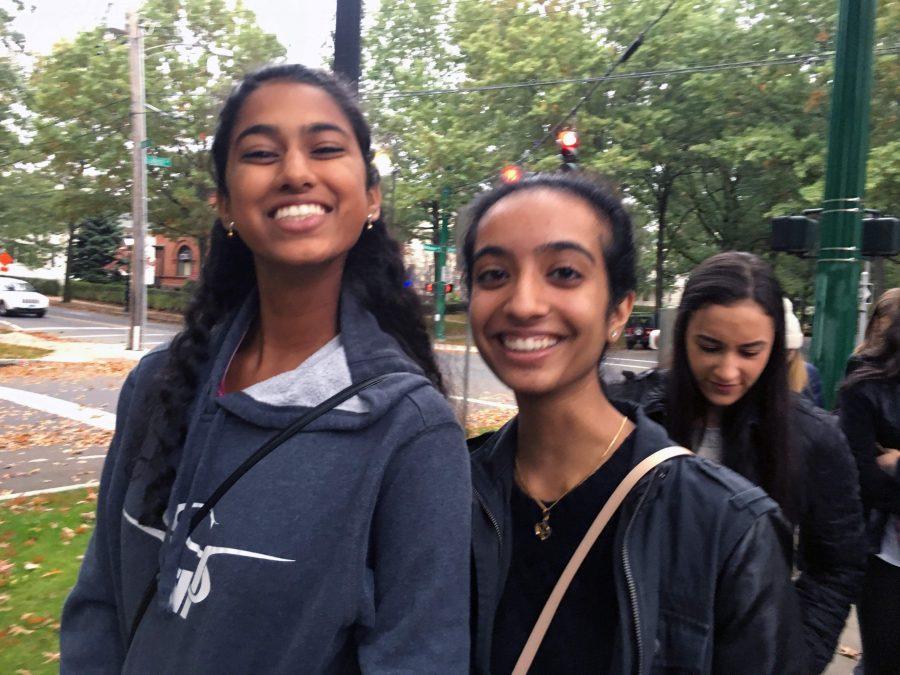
(838, 268)
(440, 295)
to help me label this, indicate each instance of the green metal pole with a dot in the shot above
(440, 299)
(837, 272)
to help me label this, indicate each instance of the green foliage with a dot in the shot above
(94, 249)
(162, 299)
(99, 292)
(168, 300)
(709, 156)
(77, 164)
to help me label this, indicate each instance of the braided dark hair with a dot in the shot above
(373, 272)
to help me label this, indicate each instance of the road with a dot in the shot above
(90, 326)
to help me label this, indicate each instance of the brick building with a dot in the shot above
(177, 261)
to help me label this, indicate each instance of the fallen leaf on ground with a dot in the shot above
(16, 629)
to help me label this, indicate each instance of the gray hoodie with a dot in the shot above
(345, 550)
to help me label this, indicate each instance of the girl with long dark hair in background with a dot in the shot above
(345, 548)
(869, 408)
(690, 574)
(727, 398)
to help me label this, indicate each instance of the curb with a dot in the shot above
(106, 308)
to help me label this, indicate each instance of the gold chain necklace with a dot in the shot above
(542, 529)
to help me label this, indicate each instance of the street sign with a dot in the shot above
(153, 160)
(434, 248)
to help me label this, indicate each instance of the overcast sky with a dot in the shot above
(304, 27)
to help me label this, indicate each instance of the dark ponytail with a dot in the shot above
(373, 272)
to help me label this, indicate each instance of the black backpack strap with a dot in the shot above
(270, 445)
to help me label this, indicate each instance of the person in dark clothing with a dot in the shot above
(692, 573)
(869, 409)
(342, 551)
(727, 397)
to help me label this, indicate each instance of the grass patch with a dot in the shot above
(8, 351)
(42, 540)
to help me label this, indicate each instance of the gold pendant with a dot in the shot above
(542, 528)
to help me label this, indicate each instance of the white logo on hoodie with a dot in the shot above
(193, 586)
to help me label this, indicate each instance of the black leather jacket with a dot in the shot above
(870, 415)
(831, 553)
(703, 583)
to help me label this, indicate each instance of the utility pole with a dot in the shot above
(838, 268)
(347, 49)
(139, 183)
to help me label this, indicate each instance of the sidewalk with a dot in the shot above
(66, 351)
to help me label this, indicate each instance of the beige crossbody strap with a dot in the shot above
(556, 596)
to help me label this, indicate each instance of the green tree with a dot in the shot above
(194, 51)
(94, 248)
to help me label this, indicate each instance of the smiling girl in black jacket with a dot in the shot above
(691, 574)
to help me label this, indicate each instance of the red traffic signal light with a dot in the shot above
(511, 173)
(568, 140)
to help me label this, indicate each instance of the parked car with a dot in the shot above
(638, 329)
(19, 297)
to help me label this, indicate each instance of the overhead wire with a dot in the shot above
(684, 70)
(623, 57)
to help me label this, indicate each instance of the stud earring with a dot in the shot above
(230, 229)
(614, 335)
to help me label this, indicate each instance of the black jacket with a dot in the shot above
(831, 550)
(703, 585)
(870, 415)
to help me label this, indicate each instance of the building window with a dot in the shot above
(185, 262)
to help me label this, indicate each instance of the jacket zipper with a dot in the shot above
(629, 577)
(490, 515)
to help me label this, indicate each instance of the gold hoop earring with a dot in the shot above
(230, 230)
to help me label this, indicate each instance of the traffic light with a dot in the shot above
(429, 287)
(568, 143)
(880, 236)
(511, 173)
(794, 234)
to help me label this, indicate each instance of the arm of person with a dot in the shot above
(758, 625)
(91, 634)
(889, 462)
(420, 558)
(858, 415)
(832, 553)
